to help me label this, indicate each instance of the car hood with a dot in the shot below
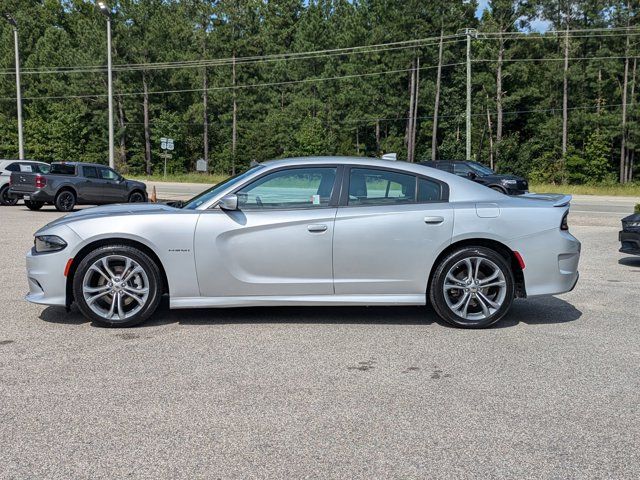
(136, 184)
(113, 210)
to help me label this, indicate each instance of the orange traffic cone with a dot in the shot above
(153, 197)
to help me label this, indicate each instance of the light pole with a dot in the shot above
(107, 13)
(14, 24)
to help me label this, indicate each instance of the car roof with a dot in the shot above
(25, 160)
(82, 164)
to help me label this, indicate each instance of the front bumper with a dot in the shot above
(630, 242)
(45, 271)
(516, 191)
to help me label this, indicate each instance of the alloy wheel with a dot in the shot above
(475, 288)
(115, 287)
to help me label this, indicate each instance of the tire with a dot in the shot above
(498, 189)
(484, 305)
(5, 199)
(65, 201)
(142, 282)
(31, 205)
(136, 197)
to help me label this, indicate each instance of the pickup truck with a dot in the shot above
(7, 167)
(73, 183)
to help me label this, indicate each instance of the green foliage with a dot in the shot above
(637, 209)
(592, 167)
(347, 104)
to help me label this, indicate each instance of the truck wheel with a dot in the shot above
(136, 197)
(31, 205)
(65, 201)
(5, 199)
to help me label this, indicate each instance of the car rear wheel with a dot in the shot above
(31, 205)
(5, 199)
(473, 287)
(65, 201)
(136, 197)
(117, 286)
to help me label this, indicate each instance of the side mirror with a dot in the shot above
(229, 202)
(471, 176)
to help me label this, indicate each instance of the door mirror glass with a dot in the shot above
(471, 175)
(229, 202)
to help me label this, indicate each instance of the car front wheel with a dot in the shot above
(473, 287)
(136, 197)
(117, 286)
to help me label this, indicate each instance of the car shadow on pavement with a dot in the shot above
(630, 261)
(546, 310)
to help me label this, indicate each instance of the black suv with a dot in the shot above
(508, 184)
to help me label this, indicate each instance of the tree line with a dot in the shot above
(235, 81)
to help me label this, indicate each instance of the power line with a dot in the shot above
(237, 87)
(365, 49)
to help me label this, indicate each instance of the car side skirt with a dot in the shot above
(302, 300)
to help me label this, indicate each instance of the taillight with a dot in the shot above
(40, 181)
(564, 225)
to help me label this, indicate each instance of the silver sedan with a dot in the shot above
(312, 231)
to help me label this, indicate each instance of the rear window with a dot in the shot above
(62, 169)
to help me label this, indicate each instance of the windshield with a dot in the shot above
(481, 169)
(207, 195)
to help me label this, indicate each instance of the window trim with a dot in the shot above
(346, 178)
(333, 200)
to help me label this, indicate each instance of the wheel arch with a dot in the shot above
(88, 248)
(495, 245)
(66, 187)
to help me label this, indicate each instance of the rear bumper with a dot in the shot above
(551, 262)
(629, 242)
(36, 195)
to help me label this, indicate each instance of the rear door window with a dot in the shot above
(380, 187)
(13, 167)
(90, 172)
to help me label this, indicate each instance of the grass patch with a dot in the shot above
(627, 190)
(182, 178)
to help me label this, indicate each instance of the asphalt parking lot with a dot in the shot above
(552, 392)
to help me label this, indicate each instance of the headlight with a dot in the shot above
(632, 224)
(510, 182)
(48, 243)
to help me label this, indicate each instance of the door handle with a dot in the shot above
(433, 220)
(317, 228)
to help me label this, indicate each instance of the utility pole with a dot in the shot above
(469, 32)
(106, 12)
(14, 24)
